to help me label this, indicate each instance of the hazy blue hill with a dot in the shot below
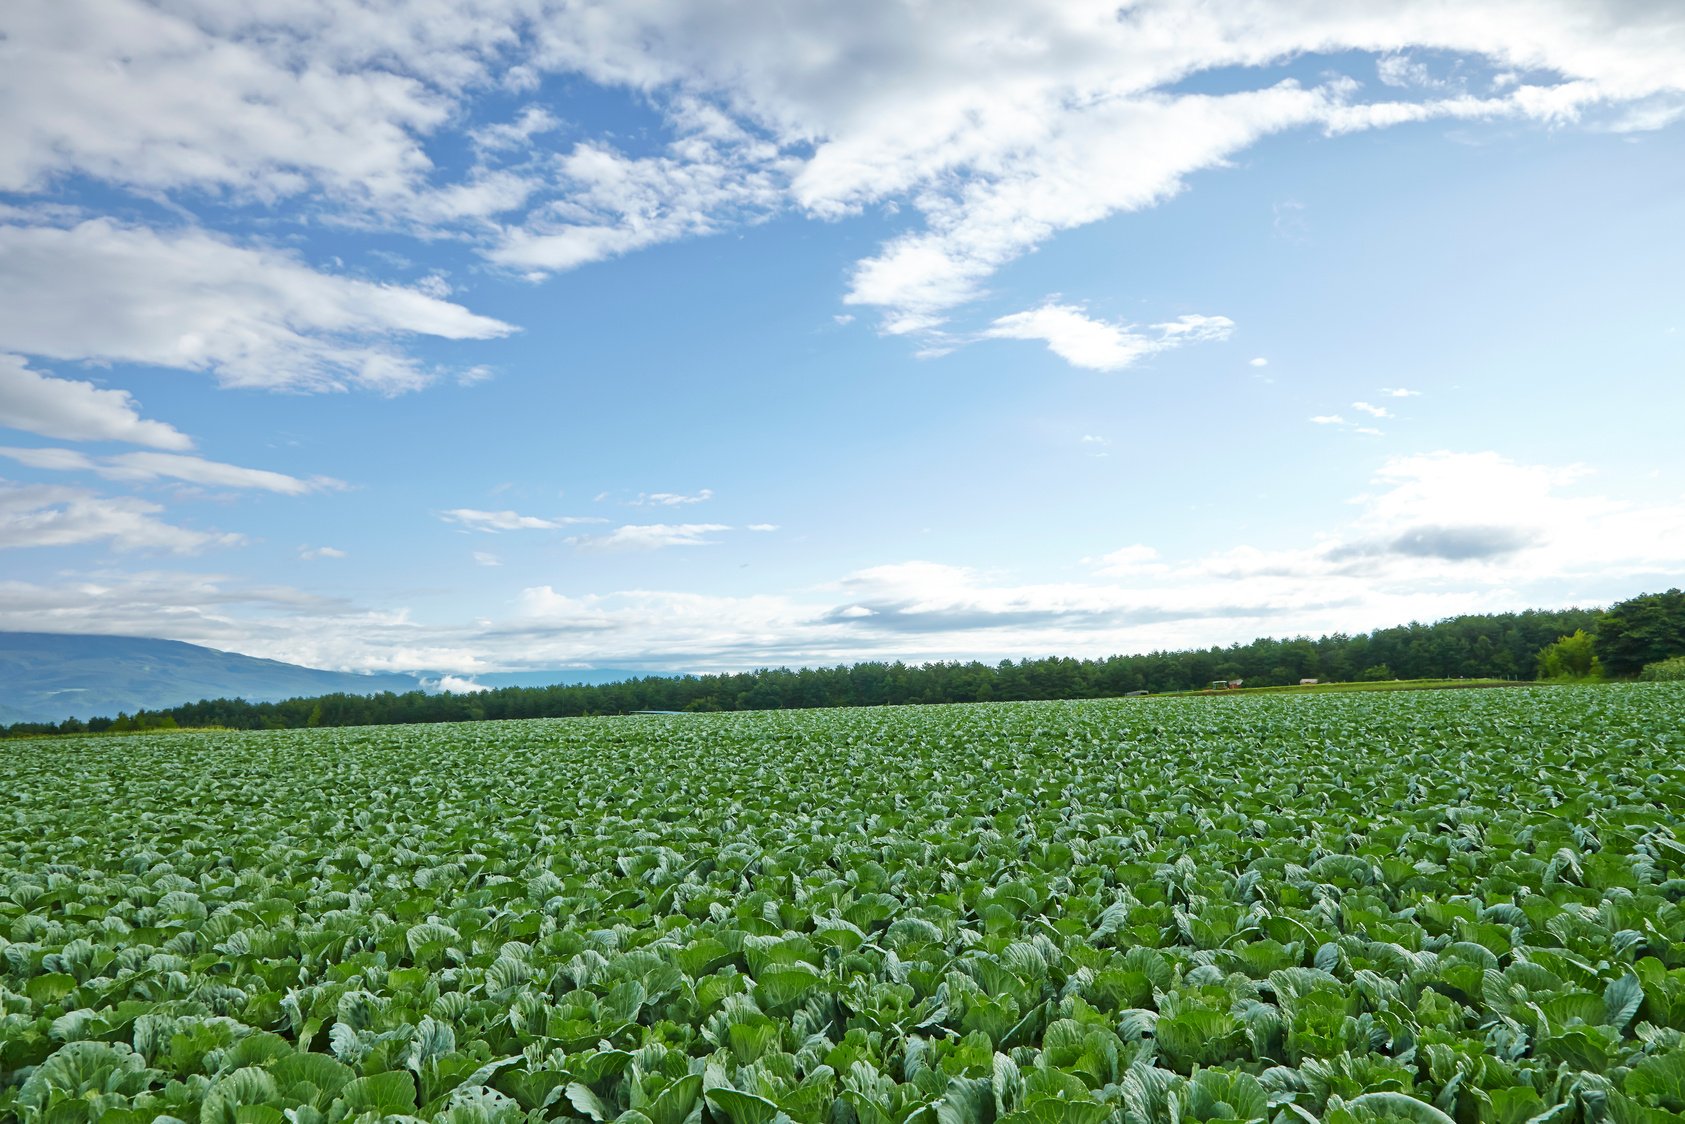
(45, 677)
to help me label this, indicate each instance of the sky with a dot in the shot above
(516, 334)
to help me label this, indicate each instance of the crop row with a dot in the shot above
(1362, 908)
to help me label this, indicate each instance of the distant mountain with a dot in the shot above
(46, 677)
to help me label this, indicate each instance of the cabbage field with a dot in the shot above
(1414, 907)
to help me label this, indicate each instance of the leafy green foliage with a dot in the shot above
(1641, 630)
(1572, 657)
(1419, 908)
(1664, 671)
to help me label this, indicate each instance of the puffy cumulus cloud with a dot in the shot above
(1003, 124)
(252, 316)
(652, 536)
(1477, 519)
(73, 410)
(455, 685)
(493, 522)
(149, 466)
(275, 98)
(36, 515)
(1100, 345)
(998, 125)
(266, 102)
(1446, 489)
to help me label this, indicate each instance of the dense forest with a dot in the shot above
(1503, 646)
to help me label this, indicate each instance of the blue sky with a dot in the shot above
(401, 336)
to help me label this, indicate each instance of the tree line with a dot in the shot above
(1493, 645)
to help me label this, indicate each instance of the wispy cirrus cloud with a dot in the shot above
(653, 536)
(672, 499)
(494, 522)
(148, 466)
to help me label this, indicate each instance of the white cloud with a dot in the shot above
(72, 410)
(672, 499)
(763, 527)
(197, 470)
(1399, 392)
(192, 300)
(1328, 419)
(311, 554)
(37, 515)
(1367, 430)
(652, 536)
(1434, 534)
(1100, 345)
(1094, 439)
(612, 204)
(1404, 71)
(492, 522)
(225, 612)
(1074, 167)
(1137, 559)
(52, 459)
(1372, 410)
(998, 125)
(146, 466)
(456, 685)
(166, 98)
(532, 121)
(486, 558)
(1260, 361)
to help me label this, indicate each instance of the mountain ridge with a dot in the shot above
(51, 676)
